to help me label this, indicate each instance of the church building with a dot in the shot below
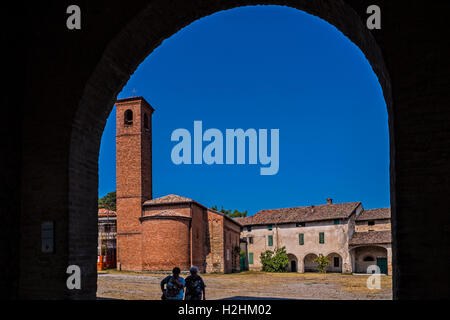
(171, 231)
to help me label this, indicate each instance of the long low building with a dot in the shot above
(352, 238)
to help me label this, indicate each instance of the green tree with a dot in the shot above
(274, 261)
(108, 201)
(322, 263)
(228, 212)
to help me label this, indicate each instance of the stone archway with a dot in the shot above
(335, 264)
(309, 265)
(365, 256)
(66, 125)
(293, 263)
(50, 172)
(121, 57)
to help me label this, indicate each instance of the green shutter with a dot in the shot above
(250, 258)
(321, 237)
(301, 239)
(269, 227)
(270, 241)
(249, 228)
(336, 221)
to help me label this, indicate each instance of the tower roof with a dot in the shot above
(134, 99)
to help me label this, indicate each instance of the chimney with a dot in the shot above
(329, 201)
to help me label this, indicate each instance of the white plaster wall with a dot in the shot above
(380, 225)
(336, 241)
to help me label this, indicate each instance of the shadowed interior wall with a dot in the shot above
(73, 77)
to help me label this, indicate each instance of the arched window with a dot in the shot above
(369, 258)
(146, 124)
(128, 117)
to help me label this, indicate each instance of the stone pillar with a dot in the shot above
(352, 260)
(346, 262)
(389, 259)
(301, 264)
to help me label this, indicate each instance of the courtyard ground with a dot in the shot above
(247, 285)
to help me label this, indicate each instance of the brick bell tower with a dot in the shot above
(134, 177)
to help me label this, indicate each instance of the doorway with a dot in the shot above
(293, 266)
(382, 264)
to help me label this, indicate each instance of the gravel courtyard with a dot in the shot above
(248, 285)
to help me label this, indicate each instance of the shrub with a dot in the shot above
(274, 261)
(322, 262)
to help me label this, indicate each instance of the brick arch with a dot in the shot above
(368, 245)
(307, 264)
(339, 252)
(298, 263)
(141, 35)
(330, 267)
(360, 252)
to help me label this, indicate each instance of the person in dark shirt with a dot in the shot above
(174, 286)
(195, 287)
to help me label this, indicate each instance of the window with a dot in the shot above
(300, 224)
(269, 227)
(228, 254)
(250, 240)
(270, 241)
(321, 237)
(336, 262)
(250, 258)
(146, 123)
(368, 258)
(301, 239)
(128, 117)
(371, 223)
(249, 229)
(337, 221)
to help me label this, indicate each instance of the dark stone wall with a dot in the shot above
(416, 49)
(64, 84)
(11, 152)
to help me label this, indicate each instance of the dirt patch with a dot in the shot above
(137, 286)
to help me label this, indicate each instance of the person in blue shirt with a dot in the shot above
(174, 285)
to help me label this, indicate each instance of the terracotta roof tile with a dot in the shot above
(301, 214)
(106, 213)
(371, 237)
(375, 214)
(240, 220)
(166, 213)
(171, 198)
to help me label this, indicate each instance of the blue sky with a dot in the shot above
(264, 67)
